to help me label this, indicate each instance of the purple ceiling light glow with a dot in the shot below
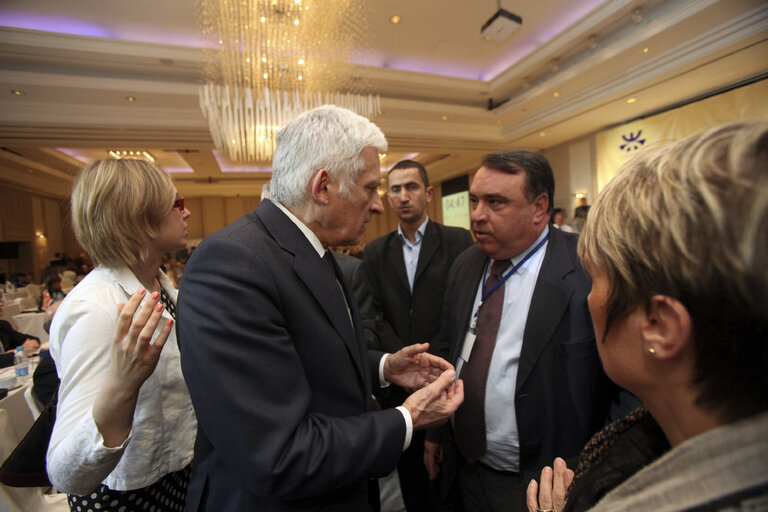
(227, 165)
(53, 23)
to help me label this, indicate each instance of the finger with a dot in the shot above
(412, 350)
(532, 497)
(569, 474)
(545, 489)
(126, 311)
(151, 324)
(143, 315)
(437, 363)
(159, 342)
(559, 487)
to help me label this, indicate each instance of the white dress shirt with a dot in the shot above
(164, 425)
(318, 246)
(502, 440)
(411, 250)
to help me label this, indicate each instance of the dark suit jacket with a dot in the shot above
(279, 379)
(562, 396)
(405, 317)
(11, 338)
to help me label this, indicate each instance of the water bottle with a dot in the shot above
(22, 364)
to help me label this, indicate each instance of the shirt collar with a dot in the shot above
(308, 233)
(419, 232)
(515, 260)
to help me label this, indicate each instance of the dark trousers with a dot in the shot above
(485, 489)
(418, 495)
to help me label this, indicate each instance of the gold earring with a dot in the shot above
(651, 350)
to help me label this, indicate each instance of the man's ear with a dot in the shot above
(430, 193)
(667, 328)
(541, 205)
(319, 187)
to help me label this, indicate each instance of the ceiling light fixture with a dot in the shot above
(555, 94)
(542, 134)
(130, 99)
(299, 54)
(122, 153)
(501, 25)
(395, 19)
(18, 92)
(645, 50)
(631, 100)
(444, 118)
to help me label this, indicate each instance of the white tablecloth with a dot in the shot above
(31, 323)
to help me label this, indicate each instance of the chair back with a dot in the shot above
(9, 310)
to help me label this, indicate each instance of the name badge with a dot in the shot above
(469, 342)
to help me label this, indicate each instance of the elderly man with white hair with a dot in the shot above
(272, 343)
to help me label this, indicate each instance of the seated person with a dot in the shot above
(53, 292)
(11, 338)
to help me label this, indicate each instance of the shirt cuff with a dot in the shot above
(382, 382)
(408, 426)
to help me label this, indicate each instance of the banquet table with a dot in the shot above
(15, 420)
(32, 324)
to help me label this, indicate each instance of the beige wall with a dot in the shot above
(574, 167)
(22, 217)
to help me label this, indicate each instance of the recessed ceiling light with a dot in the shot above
(444, 118)
(631, 100)
(555, 94)
(18, 92)
(542, 134)
(395, 19)
(645, 50)
(130, 99)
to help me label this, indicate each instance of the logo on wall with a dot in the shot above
(632, 142)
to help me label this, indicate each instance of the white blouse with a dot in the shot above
(164, 424)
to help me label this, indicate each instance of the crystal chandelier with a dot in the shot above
(266, 61)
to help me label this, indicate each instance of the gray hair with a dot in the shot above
(327, 137)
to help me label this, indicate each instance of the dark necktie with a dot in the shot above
(469, 420)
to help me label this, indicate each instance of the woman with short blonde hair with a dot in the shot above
(677, 245)
(125, 427)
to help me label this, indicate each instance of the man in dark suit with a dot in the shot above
(407, 271)
(522, 341)
(272, 346)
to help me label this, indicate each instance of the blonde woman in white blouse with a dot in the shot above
(125, 428)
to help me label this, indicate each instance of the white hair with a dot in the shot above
(327, 137)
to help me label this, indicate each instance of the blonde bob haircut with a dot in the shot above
(117, 207)
(690, 221)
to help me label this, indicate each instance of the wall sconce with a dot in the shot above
(40, 234)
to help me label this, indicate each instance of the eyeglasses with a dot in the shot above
(179, 203)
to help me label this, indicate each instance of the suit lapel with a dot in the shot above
(429, 246)
(316, 275)
(548, 305)
(395, 253)
(466, 292)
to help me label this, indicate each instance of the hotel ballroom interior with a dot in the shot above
(585, 83)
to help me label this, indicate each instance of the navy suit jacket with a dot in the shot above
(562, 395)
(279, 378)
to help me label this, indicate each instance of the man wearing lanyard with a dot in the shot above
(518, 330)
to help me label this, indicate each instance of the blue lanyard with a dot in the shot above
(484, 295)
